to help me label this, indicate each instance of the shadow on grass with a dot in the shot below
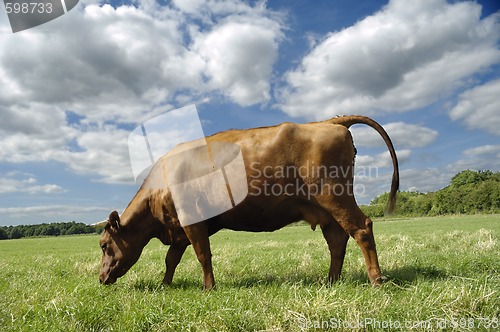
(409, 274)
(277, 280)
(401, 276)
(154, 285)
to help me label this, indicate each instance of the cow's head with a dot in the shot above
(120, 249)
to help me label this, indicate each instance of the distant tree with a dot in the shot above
(38, 230)
(76, 229)
(49, 230)
(3, 234)
(29, 231)
(469, 192)
(42, 230)
(469, 177)
(53, 229)
(15, 233)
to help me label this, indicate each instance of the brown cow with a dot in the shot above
(271, 155)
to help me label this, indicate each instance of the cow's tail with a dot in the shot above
(348, 121)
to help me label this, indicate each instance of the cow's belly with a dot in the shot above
(255, 226)
(268, 214)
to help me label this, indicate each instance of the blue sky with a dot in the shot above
(74, 88)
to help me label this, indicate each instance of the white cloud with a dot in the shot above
(488, 149)
(189, 6)
(417, 180)
(50, 211)
(403, 57)
(97, 151)
(98, 60)
(18, 182)
(484, 157)
(479, 107)
(119, 66)
(239, 57)
(367, 188)
(402, 135)
(382, 160)
(106, 63)
(105, 154)
(207, 9)
(424, 180)
(373, 176)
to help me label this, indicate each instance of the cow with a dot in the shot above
(326, 145)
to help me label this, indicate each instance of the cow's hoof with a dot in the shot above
(379, 281)
(208, 288)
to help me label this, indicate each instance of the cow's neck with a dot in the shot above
(138, 218)
(146, 216)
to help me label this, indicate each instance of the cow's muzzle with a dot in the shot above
(106, 279)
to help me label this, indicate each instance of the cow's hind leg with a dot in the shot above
(337, 239)
(198, 236)
(359, 226)
(173, 258)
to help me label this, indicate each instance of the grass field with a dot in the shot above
(443, 272)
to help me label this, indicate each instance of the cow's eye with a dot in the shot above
(103, 246)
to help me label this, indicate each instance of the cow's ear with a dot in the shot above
(114, 220)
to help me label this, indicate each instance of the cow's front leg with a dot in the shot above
(173, 258)
(198, 236)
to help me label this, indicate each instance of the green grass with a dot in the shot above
(441, 270)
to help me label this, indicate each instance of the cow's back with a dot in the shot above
(291, 144)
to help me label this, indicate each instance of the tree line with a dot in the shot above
(52, 229)
(469, 192)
